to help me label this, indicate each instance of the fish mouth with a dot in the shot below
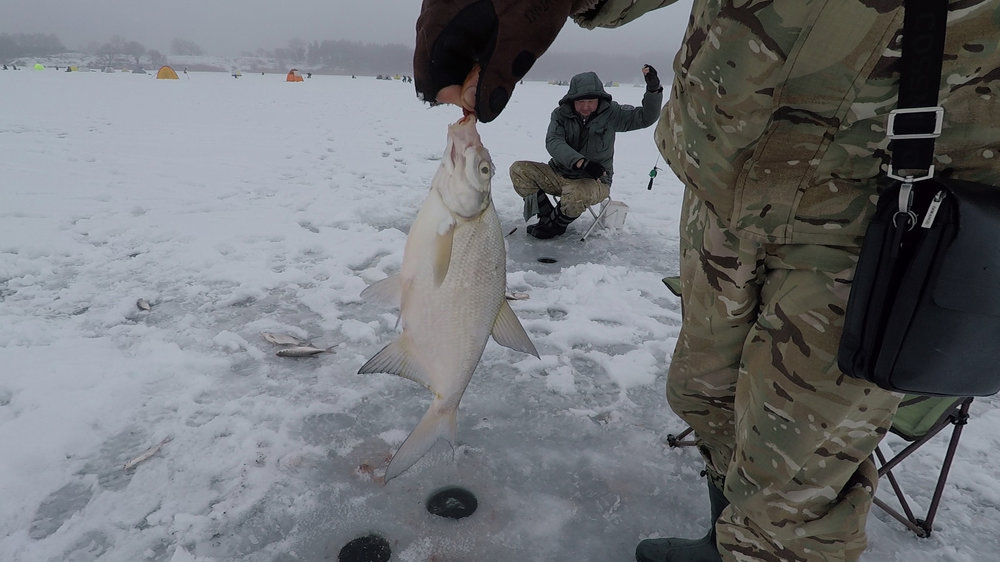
(462, 134)
(465, 129)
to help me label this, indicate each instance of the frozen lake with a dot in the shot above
(236, 207)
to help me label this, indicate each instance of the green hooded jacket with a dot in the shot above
(778, 110)
(570, 137)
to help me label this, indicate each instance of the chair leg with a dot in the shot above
(922, 527)
(918, 530)
(907, 517)
(960, 420)
(678, 440)
(597, 217)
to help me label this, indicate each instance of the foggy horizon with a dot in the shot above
(232, 28)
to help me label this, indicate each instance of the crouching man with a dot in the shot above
(581, 141)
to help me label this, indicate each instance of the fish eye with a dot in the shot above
(485, 169)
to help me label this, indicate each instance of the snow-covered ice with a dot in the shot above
(236, 207)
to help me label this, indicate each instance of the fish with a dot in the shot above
(450, 290)
(282, 339)
(303, 351)
(143, 304)
(147, 454)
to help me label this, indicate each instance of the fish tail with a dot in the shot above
(437, 423)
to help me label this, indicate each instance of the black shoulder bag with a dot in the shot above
(924, 311)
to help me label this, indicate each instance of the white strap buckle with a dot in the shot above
(910, 178)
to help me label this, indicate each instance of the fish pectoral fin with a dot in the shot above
(508, 332)
(395, 360)
(387, 291)
(437, 423)
(442, 252)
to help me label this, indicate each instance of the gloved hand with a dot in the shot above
(502, 37)
(652, 79)
(592, 169)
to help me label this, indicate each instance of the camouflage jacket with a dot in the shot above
(778, 110)
(570, 137)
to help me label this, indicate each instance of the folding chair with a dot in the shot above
(918, 420)
(611, 214)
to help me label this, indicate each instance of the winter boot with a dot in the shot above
(537, 204)
(552, 225)
(686, 550)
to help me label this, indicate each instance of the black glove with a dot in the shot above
(592, 169)
(504, 37)
(652, 80)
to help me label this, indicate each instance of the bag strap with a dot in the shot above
(917, 119)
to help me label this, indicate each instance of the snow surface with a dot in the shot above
(237, 207)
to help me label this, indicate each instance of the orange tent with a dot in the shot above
(294, 76)
(167, 73)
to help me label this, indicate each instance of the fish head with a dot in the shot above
(463, 180)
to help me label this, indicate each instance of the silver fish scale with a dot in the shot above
(468, 300)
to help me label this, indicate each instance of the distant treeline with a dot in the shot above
(14, 45)
(358, 58)
(333, 56)
(336, 56)
(366, 58)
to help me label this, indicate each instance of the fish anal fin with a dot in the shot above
(396, 360)
(442, 251)
(386, 291)
(508, 332)
(438, 423)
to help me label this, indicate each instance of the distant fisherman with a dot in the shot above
(581, 141)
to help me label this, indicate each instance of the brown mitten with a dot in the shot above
(502, 37)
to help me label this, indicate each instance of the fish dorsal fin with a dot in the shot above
(442, 251)
(508, 332)
(387, 291)
(395, 360)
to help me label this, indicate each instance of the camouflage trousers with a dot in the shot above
(575, 195)
(784, 432)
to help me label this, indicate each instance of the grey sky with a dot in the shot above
(229, 27)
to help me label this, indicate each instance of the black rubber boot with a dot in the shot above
(552, 225)
(537, 204)
(545, 207)
(686, 550)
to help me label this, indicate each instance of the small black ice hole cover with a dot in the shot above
(370, 548)
(452, 502)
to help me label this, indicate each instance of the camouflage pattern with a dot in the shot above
(575, 194)
(776, 124)
(784, 433)
(778, 110)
